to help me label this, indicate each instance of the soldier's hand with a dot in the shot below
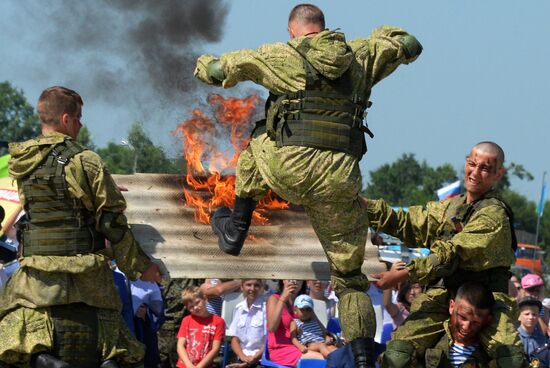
(390, 279)
(152, 273)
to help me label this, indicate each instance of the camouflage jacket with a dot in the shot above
(54, 280)
(483, 243)
(280, 68)
(438, 356)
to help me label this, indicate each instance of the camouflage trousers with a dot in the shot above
(327, 183)
(425, 325)
(27, 331)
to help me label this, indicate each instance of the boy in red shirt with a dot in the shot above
(201, 333)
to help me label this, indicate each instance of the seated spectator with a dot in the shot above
(318, 291)
(306, 332)
(122, 285)
(534, 341)
(280, 313)
(214, 290)
(148, 316)
(248, 326)
(201, 333)
(533, 285)
(514, 287)
(398, 304)
(471, 312)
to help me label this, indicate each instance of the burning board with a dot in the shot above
(284, 248)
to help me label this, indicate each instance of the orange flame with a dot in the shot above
(208, 166)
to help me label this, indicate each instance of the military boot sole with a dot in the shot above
(219, 221)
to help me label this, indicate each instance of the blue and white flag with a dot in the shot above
(449, 191)
(540, 209)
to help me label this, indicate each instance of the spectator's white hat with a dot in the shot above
(303, 301)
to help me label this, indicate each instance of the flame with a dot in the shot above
(210, 161)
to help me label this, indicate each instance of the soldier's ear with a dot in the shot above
(451, 306)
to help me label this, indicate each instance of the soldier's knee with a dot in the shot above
(398, 354)
(510, 356)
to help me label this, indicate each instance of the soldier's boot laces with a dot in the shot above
(45, 360)
(232, 227)
(363, 352)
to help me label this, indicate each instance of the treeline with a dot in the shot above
(136, 154)
(404, 182)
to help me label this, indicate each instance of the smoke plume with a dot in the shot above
(125, 51)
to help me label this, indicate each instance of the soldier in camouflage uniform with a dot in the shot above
(471, 311)
(471, 237)
(308, 148)
(61, 307)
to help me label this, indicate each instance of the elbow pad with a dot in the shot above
(113, 226)
(214, 71)
(411, 46)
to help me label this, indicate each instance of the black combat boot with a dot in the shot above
(109, 364)
(44, 360)
(363, 352)
(232, 227)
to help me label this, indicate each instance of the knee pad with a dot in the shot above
(399, 354)
(509, 356)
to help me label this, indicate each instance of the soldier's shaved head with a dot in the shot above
(493, 148)
(307, 14)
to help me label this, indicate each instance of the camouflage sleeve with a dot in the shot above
(441, 262)
(386, 48)
(276, 67)
(109, 204)
(416, 227)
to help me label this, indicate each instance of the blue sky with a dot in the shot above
(484, 74)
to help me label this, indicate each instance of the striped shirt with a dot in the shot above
(311, 331)
(458, 354)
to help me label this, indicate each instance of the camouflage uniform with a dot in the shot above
(44, 284)
(326, 182)
(438, 356)
(480, 251)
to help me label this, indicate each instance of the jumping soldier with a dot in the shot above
(308, 148)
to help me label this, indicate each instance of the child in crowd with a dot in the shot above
(306, 332)
(201, 333)
(248, 326)
(534, 341)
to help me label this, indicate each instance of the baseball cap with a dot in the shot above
(303, 301)
(531, 280)
(529, 300)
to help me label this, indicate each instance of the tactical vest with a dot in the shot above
(57, 224)
(326, 115)
(458, 216)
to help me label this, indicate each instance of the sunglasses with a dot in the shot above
(534, 289)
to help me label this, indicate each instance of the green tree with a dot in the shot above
(85, 138)
(18, 121)
(139, 151)
(408, 182)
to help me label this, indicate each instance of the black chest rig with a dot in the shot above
(57, 224)
(326, 115)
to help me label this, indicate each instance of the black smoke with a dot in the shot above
(124, 51)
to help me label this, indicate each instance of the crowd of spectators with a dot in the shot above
(292, 319)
